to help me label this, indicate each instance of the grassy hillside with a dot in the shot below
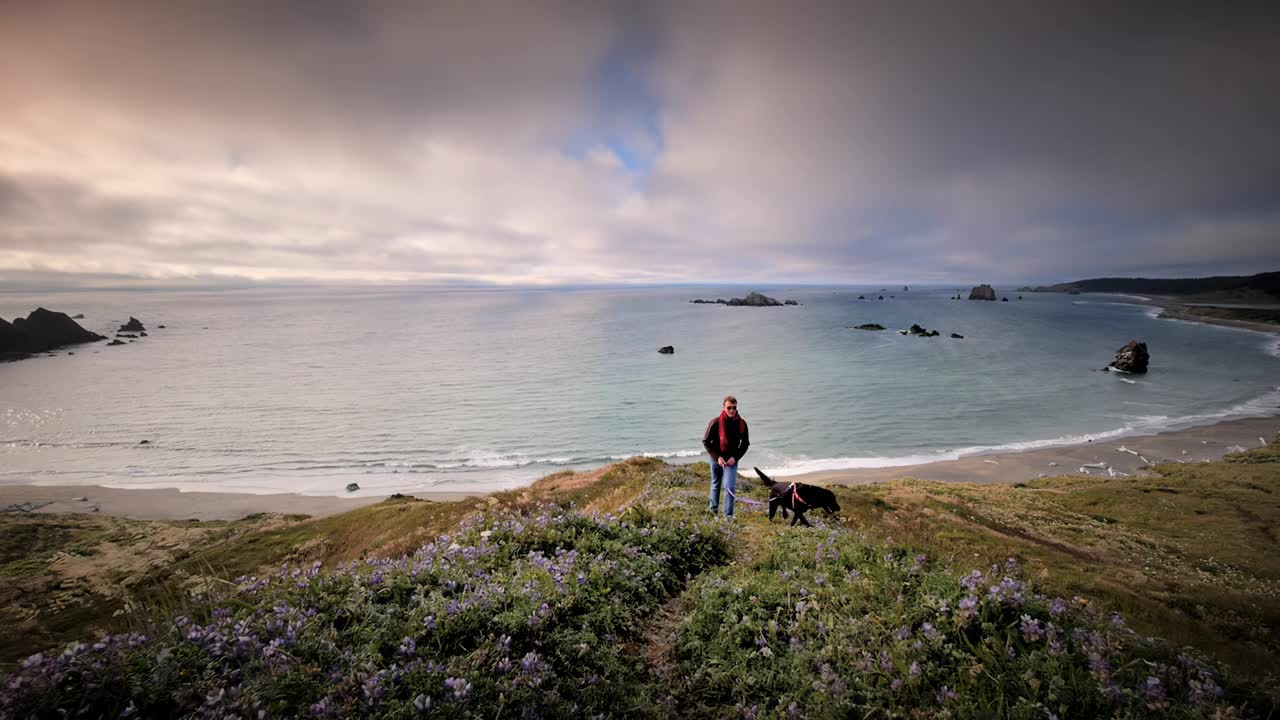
(613, 593)
(1223, 288)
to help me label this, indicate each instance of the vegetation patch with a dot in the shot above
(614, 593)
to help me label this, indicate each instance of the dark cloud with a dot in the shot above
(566, 141)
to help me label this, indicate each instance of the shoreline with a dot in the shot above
(1174, 308)
(1122, 456)
(174, 504)
(1110, 459)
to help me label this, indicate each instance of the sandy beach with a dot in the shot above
(1110, 458)
(170, 504)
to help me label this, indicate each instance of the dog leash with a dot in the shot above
(745, 501)
(795, 495)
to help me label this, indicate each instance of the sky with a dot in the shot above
(545, 143)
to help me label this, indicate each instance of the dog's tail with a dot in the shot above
(768, 481)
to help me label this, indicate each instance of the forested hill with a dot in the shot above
(1268, 283)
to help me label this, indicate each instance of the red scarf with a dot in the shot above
(724, 439)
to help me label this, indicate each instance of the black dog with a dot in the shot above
(797, 497)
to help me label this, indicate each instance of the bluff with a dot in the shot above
(1261, 284)
(41, 331)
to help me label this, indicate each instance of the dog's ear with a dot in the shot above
(763, 477)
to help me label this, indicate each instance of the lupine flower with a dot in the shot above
(1030, 628)
(459, 686)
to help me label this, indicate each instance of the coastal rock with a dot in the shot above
(957, 336)
(352, 487)
(667, 350)
(78, 316)
(1132, 358)
(920, 331)
(1004, 299)
(132, 326)
(870, 326)
(41, 331)
(982, 292)
(880, 298)
(160, 326)
(131, 336)
(754, 299)
(144, 442)
(862, 297)
(116, 342)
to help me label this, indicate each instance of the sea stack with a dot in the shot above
(132, 326)
(1132, 358)
(982, 292)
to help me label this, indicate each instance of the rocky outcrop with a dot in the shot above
(352, 487)
(132, 326)
(1132, 358)
(667, 350)
(754, 299)
(919, 331)
(41, 331)
(957, 336)
(982, 292)
(116, 342)
(869, 326)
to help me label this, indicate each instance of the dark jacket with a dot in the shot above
(735, 432)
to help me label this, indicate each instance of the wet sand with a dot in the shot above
(1118, 457)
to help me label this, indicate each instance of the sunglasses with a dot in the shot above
(732, 407)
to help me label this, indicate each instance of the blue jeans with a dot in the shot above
(728, 475)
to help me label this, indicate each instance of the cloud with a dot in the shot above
(545, 142)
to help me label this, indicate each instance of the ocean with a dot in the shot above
(402, 390)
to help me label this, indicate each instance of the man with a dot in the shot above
(726, 441)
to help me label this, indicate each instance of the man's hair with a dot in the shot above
(729, 398)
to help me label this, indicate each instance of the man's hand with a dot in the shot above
(721, 461)
(731, 461)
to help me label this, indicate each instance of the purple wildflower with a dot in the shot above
(1030, 627)
(1152, 689)
(459, 686)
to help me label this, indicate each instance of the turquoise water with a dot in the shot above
(401, 390)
